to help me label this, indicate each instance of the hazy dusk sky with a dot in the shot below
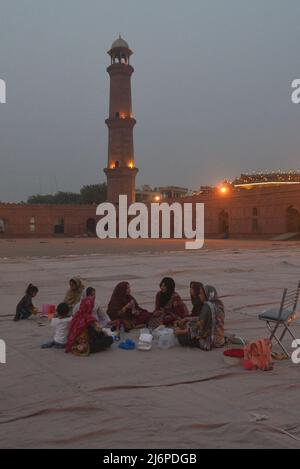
(211, 90)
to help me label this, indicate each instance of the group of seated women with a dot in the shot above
(79, 321)
(202, 328)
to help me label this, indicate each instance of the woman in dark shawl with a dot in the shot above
(206, 331)
(85, 334)
(169, 306)
(123, 308)
(197, 302)
(195, 290)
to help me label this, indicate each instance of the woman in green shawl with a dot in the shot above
(206, 330)
(73, 295)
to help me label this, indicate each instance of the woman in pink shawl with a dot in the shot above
(85, 334)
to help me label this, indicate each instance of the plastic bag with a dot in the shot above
(166, 338)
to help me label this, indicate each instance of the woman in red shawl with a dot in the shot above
(124, 308)
(169, 306)
(85, 334)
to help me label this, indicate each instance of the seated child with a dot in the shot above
(60, 324)
(25, 307)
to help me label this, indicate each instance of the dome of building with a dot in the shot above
(119, 43)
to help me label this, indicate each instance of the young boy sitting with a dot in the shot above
(60, 324)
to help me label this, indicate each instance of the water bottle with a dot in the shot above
(122, 332)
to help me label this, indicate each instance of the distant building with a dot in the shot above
(173, 192)
(157, 194)
(147, 194)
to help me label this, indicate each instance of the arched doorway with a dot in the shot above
(32, 225)
(59, 227)
(2, 225)
(224, 222)
(292, 220)
(91, 226)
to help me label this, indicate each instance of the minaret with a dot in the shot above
(121, 170)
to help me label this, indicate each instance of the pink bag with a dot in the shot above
(257, 355)
(48, 311)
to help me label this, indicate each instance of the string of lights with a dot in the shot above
(280, 176)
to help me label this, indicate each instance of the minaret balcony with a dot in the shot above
(117, 122)
(120, 69)
(121, 171)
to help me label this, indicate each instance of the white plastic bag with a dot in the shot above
(166, 338)
(145, 341)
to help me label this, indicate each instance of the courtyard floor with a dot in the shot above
(176, 398)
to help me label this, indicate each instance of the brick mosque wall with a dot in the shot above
(259, 212)
(267, 205)
(22, 220)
